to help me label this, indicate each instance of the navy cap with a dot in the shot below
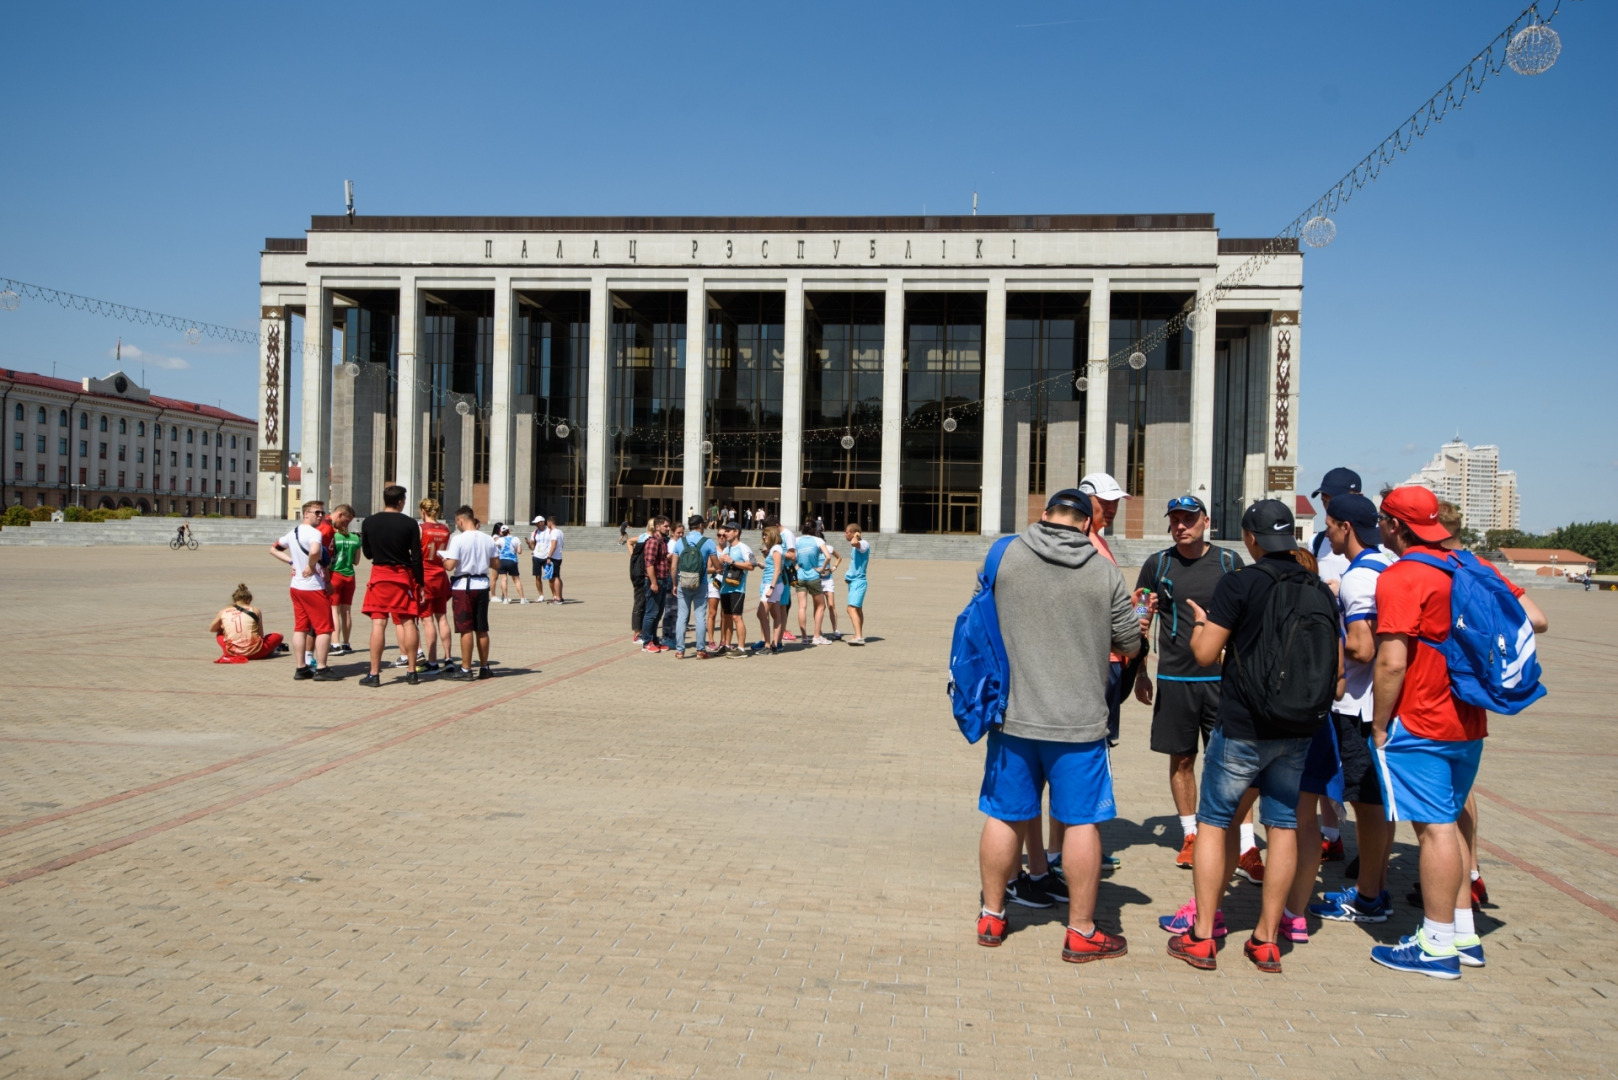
(1073, 499)
(1339, 481)
(1360, 514)
(1271, 524)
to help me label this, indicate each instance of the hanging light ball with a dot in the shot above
(1533, 49)
(1194, 320)
(193, 336)
(351, 369)
(463, 407)
(563, 431)
(1137, 359)
(707, 446)
(1082, 383)
(9, 299)
(848, 442)
(1319, 231)
(950, 424)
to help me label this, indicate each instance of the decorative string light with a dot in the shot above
(1318, 231)
(847, 442)
(1534, 49)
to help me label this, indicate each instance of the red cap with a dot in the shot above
(1417, 507)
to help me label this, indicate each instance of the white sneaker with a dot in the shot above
(856, 641)
(400, 661)
(820, 641)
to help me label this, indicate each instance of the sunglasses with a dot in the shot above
(1184, 502)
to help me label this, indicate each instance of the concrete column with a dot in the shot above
(500, 405)
(893, 387)
(994, 410)
(408, 434)
(315, 438)
(1202, 399)
(1095, 413)
(596, 465)
(1281, 453)
(694, 472)
(274, 410)
(792, 407)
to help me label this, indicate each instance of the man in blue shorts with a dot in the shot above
(1062, 609)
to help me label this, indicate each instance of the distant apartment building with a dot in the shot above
(1471, 478)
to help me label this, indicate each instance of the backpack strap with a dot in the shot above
(1432, 560)
(991, 562)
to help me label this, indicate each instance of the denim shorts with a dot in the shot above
(1017, 770)
(1231, 766)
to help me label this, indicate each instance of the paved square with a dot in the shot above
(610, 862)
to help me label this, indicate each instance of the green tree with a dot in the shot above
(1495, 539)
(1596, 539)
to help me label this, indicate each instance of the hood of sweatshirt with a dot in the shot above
(1066, 547)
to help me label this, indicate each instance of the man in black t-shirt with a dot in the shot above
(1187, 698)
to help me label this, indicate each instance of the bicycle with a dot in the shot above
(176, 543)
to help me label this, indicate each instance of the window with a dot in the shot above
(84, 421)
(140, 454)
(174, 458)
(42, 419)
(157, 432)
(140, 429)
(16, 469)
(121, 452)
(204, 458)
(188, 483)
(232, 464)
(205, 485)
(84, 476)
(84, 448)
(21, 412)
(120, 479)
(189, 433)
(103, 423)
(174, 434)
(39, 473)
(249, 444)
(140, 479)
(171, 483)
(123, 426)
(190, 461)
(39, 443)
(61, 474)
(233, 490)
(102, 454)
(233, 442)
(61, 447)
(247, 487)
(17, 440)
(61, 418)
(101, 477)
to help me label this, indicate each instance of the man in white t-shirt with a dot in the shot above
(301, 549)
(1351, 529)
(552, 539)
(468, 560)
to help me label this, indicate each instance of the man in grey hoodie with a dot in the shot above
(1062, 607)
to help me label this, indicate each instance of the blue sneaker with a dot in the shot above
(1469, 950)
(1415, 953)
(1349, 906)
(1109, 863)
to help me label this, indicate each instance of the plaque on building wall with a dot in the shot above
(269, 461)
(1280, 478)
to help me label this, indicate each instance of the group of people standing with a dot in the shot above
(1364, 711)
(686, 582)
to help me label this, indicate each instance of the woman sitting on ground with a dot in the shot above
(240, 631)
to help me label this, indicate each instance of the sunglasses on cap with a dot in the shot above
(1184, 502)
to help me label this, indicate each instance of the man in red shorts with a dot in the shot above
(435, 585)
(344, 546)
(311, 608)
(392, 541)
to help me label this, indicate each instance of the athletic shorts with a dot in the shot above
(435, 595)
(341, 590)
(1425, 780)
(1360, 781)
(508, 567)
(775, 593)
(311, 612)
(856, 591)
(471, 611)
(537, 565)
(1231, 766)
(1016, 771)
(391, 593)
(1184, 715)
(732, 603)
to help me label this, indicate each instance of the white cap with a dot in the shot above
(1102, 486)
(537, 520)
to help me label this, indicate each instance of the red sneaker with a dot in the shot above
(1480, 892)
(1100, 945)
(1202, 954)
(1332, 850)
(1183, 859)
(991, 930)
(1251, 866)
(1266, 955)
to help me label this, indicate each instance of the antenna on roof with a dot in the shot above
(974, 204)
(348, 196)
(118, 352)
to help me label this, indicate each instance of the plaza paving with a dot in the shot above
(609, 862)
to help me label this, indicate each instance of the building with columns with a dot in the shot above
(914, 374)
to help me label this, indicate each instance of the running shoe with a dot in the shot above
(1266, 955)
(1055, 885)
(734, 650)
(1109, 863)
(1294, 928)
(679, 654)
(789, 636)
(1026, 891)
(1480, 892)
(1251, 866)
(820, 641)
(1332, 850)
(635, 639)
(412, 678)
(485, 672)
(1183, 920)
(856, 641)
(326, 674)
(1349, 906)
(991, 930)
(400, 661)
(282, 649)
(1203, 954)
(371, 680)
(1415, 953)
(651, 647)
(1469, 950)
(463, 675)
(1100, 945)
(303, 673)
(1183, 859)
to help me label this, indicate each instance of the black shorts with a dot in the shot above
(471, 610)
(731, 603)
(538, 565)
(1361, 783)
(1181, 712)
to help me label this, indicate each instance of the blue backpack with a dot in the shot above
(980, 674)
(1490, 648)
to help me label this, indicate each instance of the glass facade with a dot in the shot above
(646, 408)
(552, 379)
(1047, 334)
(746, 352)
(1241, 390)
(842, 395)
(1133, 317)
(457, 349)
(941, 471)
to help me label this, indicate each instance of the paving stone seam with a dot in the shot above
(1549, 823)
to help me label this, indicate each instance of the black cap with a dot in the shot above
(1073, 499)
(1359, 513)
(1188, 503)
(1339, 481)
(1271, 524)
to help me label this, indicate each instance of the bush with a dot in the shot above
(76, 513)
(17, 516)
(42, 513)
(125, 513)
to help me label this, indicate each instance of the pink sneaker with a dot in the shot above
(1182, 921)
(1294, 928)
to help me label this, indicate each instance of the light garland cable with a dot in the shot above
(193, 329)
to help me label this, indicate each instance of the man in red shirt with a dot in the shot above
(1428, 743)
(435, 584)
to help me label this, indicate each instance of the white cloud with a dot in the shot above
(1408, 448)
(167, 363)
(131, 353)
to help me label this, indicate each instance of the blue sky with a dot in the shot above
(150, 149)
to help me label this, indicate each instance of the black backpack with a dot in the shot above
(1288, 679)
(637, 562)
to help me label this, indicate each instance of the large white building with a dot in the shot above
(915, 374)
(108, 443)
(1471, 478)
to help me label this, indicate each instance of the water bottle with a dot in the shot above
(1143, 606)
